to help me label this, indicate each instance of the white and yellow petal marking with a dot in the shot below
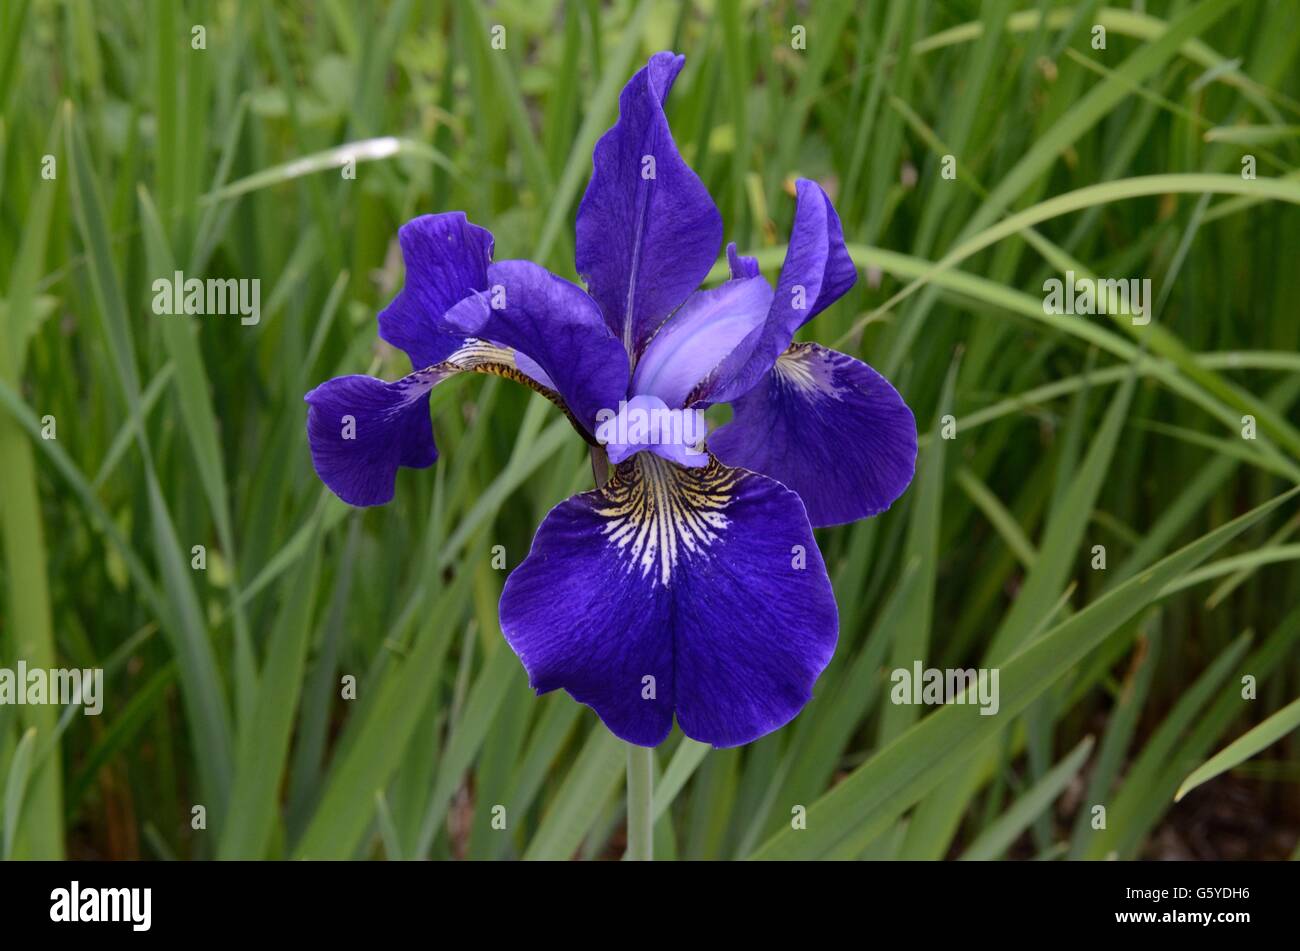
(482, 356)
(806, 368)
(659, 514)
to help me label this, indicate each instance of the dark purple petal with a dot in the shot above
(446, 259)
(696, 339)
(739, 264)
(556, 326)
(647, 234)
(817, 260)
(817, 272)
(361, 429)
(827, 426)
(706, 580)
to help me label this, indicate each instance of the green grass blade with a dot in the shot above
(20, 766)
(264, 737)
(595, 776)
(879, 791)
(999, 836)
(1244, 747)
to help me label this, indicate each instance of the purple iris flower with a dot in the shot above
(690, 584)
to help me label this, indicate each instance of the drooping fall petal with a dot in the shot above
(694, 592)
(828, 426)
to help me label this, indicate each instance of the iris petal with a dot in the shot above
(557, 326)
(696, 339)
(361, 429)
(816, 262)
(694, 591)
(647, 230)
(828, 426)
(647, 423)
(740, 265)
(817, 272)
(446, 259)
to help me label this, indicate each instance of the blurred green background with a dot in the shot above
(226, 684)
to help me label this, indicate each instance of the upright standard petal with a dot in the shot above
(739, 264)
(446, 260)
(361, 429)
(694, 591)
(828, 426)
(698, 337)
(647, 230)
(817, 272)
(557, 327)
